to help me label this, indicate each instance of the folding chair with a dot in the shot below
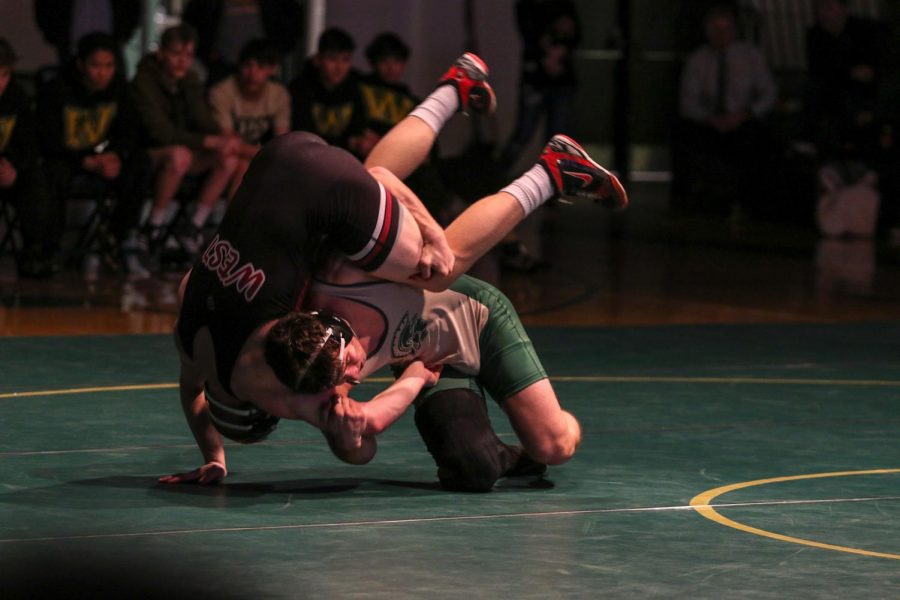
(9, 224)
(94, 228)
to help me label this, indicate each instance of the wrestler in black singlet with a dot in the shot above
(300, 198)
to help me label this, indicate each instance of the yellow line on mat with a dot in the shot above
(701, 503)
(564, 378)
(89, 390)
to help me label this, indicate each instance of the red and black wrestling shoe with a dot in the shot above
(468, 76)
(575, 175)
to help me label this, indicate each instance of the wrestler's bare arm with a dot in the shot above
(384, 409)
(469, 237)
(196, 412)
(429, 254)
(350, 426)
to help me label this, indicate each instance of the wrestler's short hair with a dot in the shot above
(335, 39)
(387, 44)
(303, 356)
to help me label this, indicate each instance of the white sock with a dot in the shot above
(437, 108)
(201, 213)
(532, 189)
(157, 216)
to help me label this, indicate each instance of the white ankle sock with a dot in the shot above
(201, 213)
(438, 107)
(157, 217)
(532, 189)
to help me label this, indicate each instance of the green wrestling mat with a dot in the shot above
(782, 437)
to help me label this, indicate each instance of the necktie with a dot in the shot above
(722, 85)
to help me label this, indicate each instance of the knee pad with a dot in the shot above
(456, 429)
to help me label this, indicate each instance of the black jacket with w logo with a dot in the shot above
(334, 115)
(74, 122)
(18, 142)
(384, 104)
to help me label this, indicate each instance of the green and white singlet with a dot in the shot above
(472, 329)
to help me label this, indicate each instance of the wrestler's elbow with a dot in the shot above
(556, 452)
(559, 447)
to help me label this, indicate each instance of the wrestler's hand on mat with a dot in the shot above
(345, 421)
(211, 472)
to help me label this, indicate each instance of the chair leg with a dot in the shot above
(10, 222)
(94, 227)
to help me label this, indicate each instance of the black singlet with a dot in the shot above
(300, 198)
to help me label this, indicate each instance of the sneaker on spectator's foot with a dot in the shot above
(108, 247)
(91, 268)
(575, 175)
(134, 268)
(190, 238)
(150, 238)
(468, 76)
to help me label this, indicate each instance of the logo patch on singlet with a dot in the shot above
(223, 259)
(408, 336)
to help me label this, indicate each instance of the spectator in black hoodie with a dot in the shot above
(89, 132)
(325, 96)
(386, 100)
(20, 178)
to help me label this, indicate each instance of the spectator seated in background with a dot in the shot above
(252, 105)
(88, 130)
(386, 100)
(20, 177)
(727, 93)
(846, 59)
(325, 96)
(182, 134)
